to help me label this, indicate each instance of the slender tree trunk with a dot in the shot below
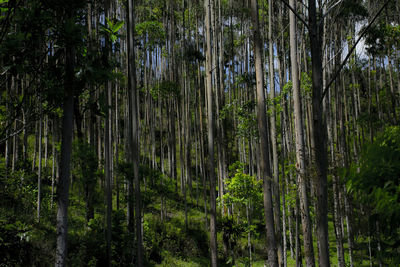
(133, 131)
(117, 140)
(275, 163)
(39, 195)
(53, 165)
(300, 147)
(66, 147)
(222, 100)
(340, 161)
(131, 87)
(89, 187)
(46, 139)
(210, 119)
(107, 145)
(298, 257)
(248, 218)
(8, 148)
(337, 215)
(319, 135)
(263, 133)
(108, 172)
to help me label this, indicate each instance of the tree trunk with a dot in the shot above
(318, 142)
(263, 133)
(53, 167)
(107, 144)
(66, 148)
(300, 147)
(133, 131)
(107, 170)
(210, 129)
(275, 163)
(39, 195)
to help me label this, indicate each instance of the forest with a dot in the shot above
(200, 133)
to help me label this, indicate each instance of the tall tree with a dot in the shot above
(300, 146)
(275, 163)
(66, 146)
(133, 131)
(108, 142)
(263, 135)
(210, 132)
(318, 134)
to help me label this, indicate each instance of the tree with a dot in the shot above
(275, 160)
(66, 145)
(108, 137)
(243, 190)
(263, 135)
(133, 135)
(300, 147)
(210, 132)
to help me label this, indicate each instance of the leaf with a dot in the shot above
(117, 26)
(109, 23)
(113, 38)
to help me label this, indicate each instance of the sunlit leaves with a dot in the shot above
(111, 29)
(3, 9)
(242, 188)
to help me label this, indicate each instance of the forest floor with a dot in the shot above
(167, 241)
(195, 251)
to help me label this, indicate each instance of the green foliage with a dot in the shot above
(247, 119)
(164, 239)
(85, 164)
(352, 9)
(4, 9)
(382, 37)
(193, 55)
(375, 184)
(21, 237)
(152, 32)
(378, 181)
(164, 90)
(306, 84)
(241, 188)
(160, 184)
(231, 232)
(287, 87)
(87, 244)
(248, 79)
(111, 29)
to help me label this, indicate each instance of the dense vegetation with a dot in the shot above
(199, 133)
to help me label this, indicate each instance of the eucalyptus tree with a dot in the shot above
(210, 131)
(108, 139)
(133, 133)
(132, 137)
(68, 13)
(263, 135)
(275, 160)
(300, 147)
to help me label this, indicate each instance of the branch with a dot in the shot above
(11, 6)
(295, 13)
(329, 10)
(352, 50)
(14, 133)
